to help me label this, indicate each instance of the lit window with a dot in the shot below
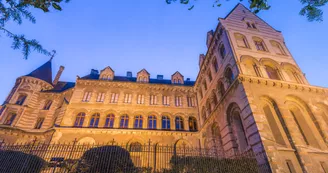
(94, 120)
(166, 100)
(191, 102)
(124, 123)
(100, 97)
(141, 99)
(10, 119)
(178, 101)
(192, 124)
(79, 119)
(86, 97)
(152, 122)
(179, 123)
(20, 100)
(110, 121)
(127, 98)
(153, 100)
(138, 122)
(166, 123)
(39, 123)
(114, 98)
(47, 105)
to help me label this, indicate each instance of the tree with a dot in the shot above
(16, 161)
(17, 10)
(311, 8)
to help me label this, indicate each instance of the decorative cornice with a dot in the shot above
(282, 84)
(134, 85)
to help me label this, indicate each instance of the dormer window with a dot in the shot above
(106, 74)
(251, 25)
(143, 76)
(177, 78)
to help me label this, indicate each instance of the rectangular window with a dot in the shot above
(141, 99)
(178, 101)
(191, 102)
(166, 100)
(10, 119)
(290, 166)
(127, 98)
(114, 98)
(153, 100)
(100, 97)
(39, 123)
(86, 97)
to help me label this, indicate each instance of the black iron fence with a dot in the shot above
(121, 158)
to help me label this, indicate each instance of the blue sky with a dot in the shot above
(130, 35)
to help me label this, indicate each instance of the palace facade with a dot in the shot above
(249, 95)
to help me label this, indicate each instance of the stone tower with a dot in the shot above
(253, 97)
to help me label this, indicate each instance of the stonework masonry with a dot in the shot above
(249, 95)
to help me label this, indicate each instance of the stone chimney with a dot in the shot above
(60, 71)
(201, 60)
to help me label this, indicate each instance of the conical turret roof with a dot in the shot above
(44, 72)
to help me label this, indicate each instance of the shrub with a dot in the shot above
(15, 161)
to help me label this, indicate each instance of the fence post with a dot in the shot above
(70, 154)
(149, 152)
(155, 150)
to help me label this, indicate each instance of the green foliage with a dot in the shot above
(182, 164)
(311, 8)
(16, 162)
(16, 11)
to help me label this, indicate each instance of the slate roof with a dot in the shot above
(134, 79)
(61, 86)
(44, 72)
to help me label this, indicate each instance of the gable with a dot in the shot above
(240, 14)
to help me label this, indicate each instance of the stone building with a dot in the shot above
(249, 95)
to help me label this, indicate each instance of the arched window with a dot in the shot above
(124, 123)
(10, 119)
(273, 125)
(241, 41)
(259, 43)
(237, 127)
(304, 127)
(209, 75)
(79, 119)
(21, 98)
(222, 51)
(152, 122)
(39, 123)
(110, 120)
(138, 122)
(272, 73)
(215, 65)
(135, 147)
(214, 98)
(94, 120)
(278, 48)
(294, 76)
(47, 105)
(221, 89)
(179, 123)
(166, 124)
(192, 124)
(205, 85)
(229, 76)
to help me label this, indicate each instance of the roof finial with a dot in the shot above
(53, 54)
